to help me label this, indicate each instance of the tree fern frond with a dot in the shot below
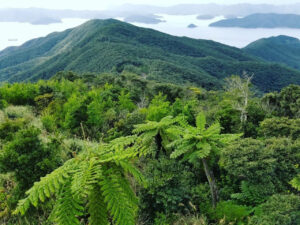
(203, 149)
(121, 143)
(182, 149)
(166, 139)
(182, 122)
(152, 125)
(174, 143)
(190, 136)
(148, 136)
(213, 129)
(228, 138)
(131, 169)
(175, 132)
(128, 191)
(67, 209)
(192, 157)
(103, 167)
(46, 187)
(129, 153)
(168, 120)
(118, 201)
(201, 121)
(140, 128)
(97, 207)
(86, 176)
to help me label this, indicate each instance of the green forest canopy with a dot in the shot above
(100, 46)
(107, 149)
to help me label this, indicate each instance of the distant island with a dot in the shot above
(45, 21)
(129, 11)
(192, 26)
(147, 19)
(261, 20)
(205, 17)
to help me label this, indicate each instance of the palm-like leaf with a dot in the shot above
(97, 207)
(98, 177)
(66, 204)
(201, 121)
(167, 128)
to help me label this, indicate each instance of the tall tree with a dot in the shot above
(286, 103)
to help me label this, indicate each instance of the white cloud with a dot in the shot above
(54, 4)
(102, 4)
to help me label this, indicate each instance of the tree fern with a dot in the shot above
(199, 142)
(156, 133)
(95, 180)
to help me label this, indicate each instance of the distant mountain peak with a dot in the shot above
(280, 49)
(283, 39)
(110, 45)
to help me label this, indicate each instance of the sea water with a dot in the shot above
(14, 34)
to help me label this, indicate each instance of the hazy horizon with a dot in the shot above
(96, 5)
(26, 23)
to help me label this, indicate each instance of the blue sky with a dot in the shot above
(102, 4)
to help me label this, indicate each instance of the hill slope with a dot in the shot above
(261, 20)
(110, 45)
(281, 49)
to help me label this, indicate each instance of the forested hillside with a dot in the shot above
(113, 46)
(280, 49)
(124, 150)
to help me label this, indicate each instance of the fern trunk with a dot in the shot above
(212, 183)
(160, 147)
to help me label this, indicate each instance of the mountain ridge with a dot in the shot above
(280, 49)
(100, 46)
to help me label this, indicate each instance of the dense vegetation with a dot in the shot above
(280, 49)
(112, 46)
(261, 20)
(107, 149)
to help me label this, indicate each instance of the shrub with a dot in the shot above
(280, 127)
(8, 128)
(231, 212)
(14, 112)
(169, 185)
(159, 108)
(28, 157)
(3, 104)
(278, 210)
